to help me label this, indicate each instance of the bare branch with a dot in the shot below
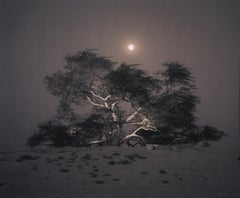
(106, 105)
(93, 103)
(145, 124)
(136, 130)
(100, 97)
(114, 115)
(130, 117)
(107, 97)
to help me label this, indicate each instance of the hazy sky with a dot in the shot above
(35, 35)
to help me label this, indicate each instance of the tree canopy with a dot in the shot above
(128, 104)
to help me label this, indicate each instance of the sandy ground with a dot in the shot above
(200, 172)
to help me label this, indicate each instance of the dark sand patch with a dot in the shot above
(165, 181)
(116, 154)
(107, 156)
(124, 162)
(61, 157)
(86, 157)
(64, 170)
(93, 174)
(35, 168)
(48, 160)
(161, 171)
(112, 162)
(106, 175)
(99, 182)
(134, 157)
(27, 157)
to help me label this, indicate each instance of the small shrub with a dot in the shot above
(211, 133)
(54, 132)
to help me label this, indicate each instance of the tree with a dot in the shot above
(126, 101)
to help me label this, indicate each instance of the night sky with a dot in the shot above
(36, 35)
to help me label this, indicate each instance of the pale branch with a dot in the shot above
(136, 130)
(114, 115)
(130, 117)
(133, 135)
(145, 124)
(100, 97)
(106, 105)
(113, 106)
(109, 96)
(95, 104)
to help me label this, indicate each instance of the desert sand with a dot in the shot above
(151, 171)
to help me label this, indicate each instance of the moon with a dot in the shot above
(131, 47)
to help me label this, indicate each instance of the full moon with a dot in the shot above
(131, 47)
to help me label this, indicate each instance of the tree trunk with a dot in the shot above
(116, 135)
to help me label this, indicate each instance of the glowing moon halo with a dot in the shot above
(131, 47)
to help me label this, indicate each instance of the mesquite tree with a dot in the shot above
(121, 95)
